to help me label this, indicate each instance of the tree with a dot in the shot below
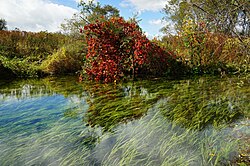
(89, 13)
(3, 24)
(72, 26)
(227, 16)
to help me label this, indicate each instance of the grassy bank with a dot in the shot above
(28, 54)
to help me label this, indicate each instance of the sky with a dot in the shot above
(47, 15)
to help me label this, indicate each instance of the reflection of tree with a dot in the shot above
(193, 104)
(110, 105)
(22, 89)
(196, 104)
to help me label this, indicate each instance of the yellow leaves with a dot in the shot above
(244, 155)
(212, 154)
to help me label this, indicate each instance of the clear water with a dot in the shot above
(59, 121)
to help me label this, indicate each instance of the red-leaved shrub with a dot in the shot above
(117, 48)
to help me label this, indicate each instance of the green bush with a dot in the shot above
(27, 54)
(207, 52)
(67, 59)
(19, 67)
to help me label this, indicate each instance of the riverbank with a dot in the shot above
(29, 54)
(26, 54)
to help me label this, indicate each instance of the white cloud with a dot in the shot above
(34, 15)
(156, 22)
(145, 5)
(150, 36)
(125, 4)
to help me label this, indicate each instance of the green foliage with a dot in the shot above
(24, 52)
(89, 13)
(34, 46)
(194, 40)
(213, 35)
(228, 17)
(209, 53)
(67, 59)
(236, 53)
(20, 67)
(72, 26)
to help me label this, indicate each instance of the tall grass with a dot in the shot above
(206, 52)
(22, 53)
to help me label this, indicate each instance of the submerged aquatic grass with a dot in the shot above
(154, 140)
(56, 121)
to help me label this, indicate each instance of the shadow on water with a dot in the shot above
(57, 121)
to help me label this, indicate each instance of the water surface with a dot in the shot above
(59, 121)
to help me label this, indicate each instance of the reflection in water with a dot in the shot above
(58, 121)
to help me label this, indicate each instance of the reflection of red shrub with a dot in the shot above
(117, 47)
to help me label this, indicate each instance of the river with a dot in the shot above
(60, 121)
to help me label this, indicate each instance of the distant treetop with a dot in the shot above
(3, 24)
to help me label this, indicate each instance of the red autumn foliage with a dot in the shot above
(117, 48)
